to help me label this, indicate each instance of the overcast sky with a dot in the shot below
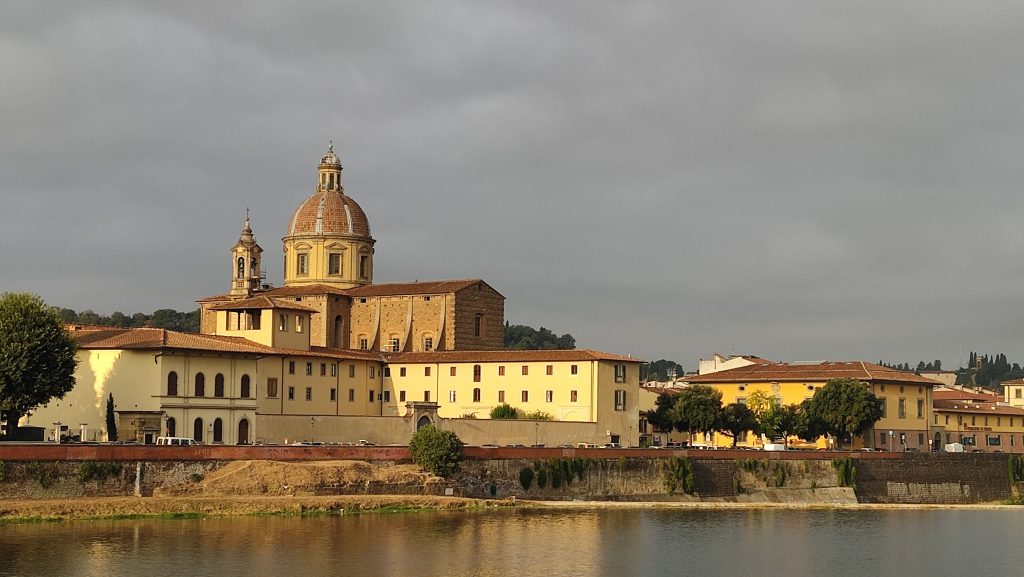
(800, 181)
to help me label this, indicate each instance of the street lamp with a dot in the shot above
(312, 424)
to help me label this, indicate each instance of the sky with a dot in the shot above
(796, 180)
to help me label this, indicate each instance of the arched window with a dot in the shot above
(218, 385)
(200, 386)
(172, 427)
(218, 431)
(476, 395)
(476, 373)
(243, 432)
(197, 431)
(172, 385)
(245, 387)
(241, 267)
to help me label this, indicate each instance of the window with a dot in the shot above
(372, 396)
(476, 395)
(197, 430)
(476, 373)
(426, 396)
(947, 419)
(218, 385)
(364, 344)
(401, 396)
(451, 372)
(920, 408)
(271, 388)
(351, 371)
(334, 263)
(387, 371)
(620, 373)
(549, 396)
(172, 427)
(200, 385)
(323, 369)
(885, 407)
(291, 367)
(364, 266)
(477, 322)
(282, 322)
(526, 369)
(291, 393)
(309, 369)
(373, 372)
(299, 320)
(244, 389)
(309, 393)
(428, 343)
(172, 385)
(401, 371)
(501, 370)
(451, 396)
(302, 264)
(1017, 392)
(426, 371)
(573, 369)
(395, 345)
(620, 400)
(549, 370)
(501, 396)
(993, 440)
(351, 395)
(386, 396)
(573, 397)
(334, 394)
(334, 369)
(526, 396)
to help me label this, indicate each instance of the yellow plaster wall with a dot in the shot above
(317, 248)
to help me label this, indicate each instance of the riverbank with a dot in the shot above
(223, 506)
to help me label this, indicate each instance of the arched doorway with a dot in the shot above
(172, 427)
(197, 431)
(937, 443)
(422, 422)
(243, 432)
(218, 431)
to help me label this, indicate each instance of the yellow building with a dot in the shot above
(978, 420)
(907, 397)
(335, 357)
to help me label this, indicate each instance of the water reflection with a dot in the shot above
(525, 543)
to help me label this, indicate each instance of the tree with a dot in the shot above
(111, 419)
(664, 416)
(522, 337)
(504, 411)
(37, 354)
(699, 409)
(767, 412)
(436, 451)
(736, 419)
(844, 406)
(661, 370)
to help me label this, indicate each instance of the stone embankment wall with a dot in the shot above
(50, 471)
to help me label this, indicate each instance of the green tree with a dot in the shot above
(37, 354)
(111, 419)
(522, 337)
(736, 419)
(661, 370)
(844, 406)
(664, 416)
(767, 412)
(436, 451)
(699, 409)
(504, 411)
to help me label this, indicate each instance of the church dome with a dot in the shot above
(329, 211)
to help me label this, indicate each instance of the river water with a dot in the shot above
(642, 542)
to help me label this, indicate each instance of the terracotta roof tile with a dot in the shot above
(953, 406)
(262, 302)
(329, 213)
(822, 371)
(958, 394)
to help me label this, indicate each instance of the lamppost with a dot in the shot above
(536, 433)
(312, 425)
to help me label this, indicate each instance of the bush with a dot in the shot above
(846, 472)
(504, 411)
(537, 416)
(436, 451)
(526, 478)
(91, 470)
(542, 478)
(679, 475)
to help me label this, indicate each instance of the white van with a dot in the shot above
(176, 441)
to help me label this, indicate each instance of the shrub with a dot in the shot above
(92, 470)
(42, 473)
(504, 411)
(1016, 469)
(846, 472)
(537, 416)
(492, 489)
(678, 473)
(526, 478)
(436, 451)
(542, 478)
(556, 477)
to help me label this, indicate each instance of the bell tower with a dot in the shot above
(246, 274)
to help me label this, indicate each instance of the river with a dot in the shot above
(762, 542)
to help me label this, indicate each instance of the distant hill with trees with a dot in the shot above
(170, 319)
(522, 337)
(982, 370)
(661, 370)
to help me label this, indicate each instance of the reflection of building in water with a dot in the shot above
(331, 356)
